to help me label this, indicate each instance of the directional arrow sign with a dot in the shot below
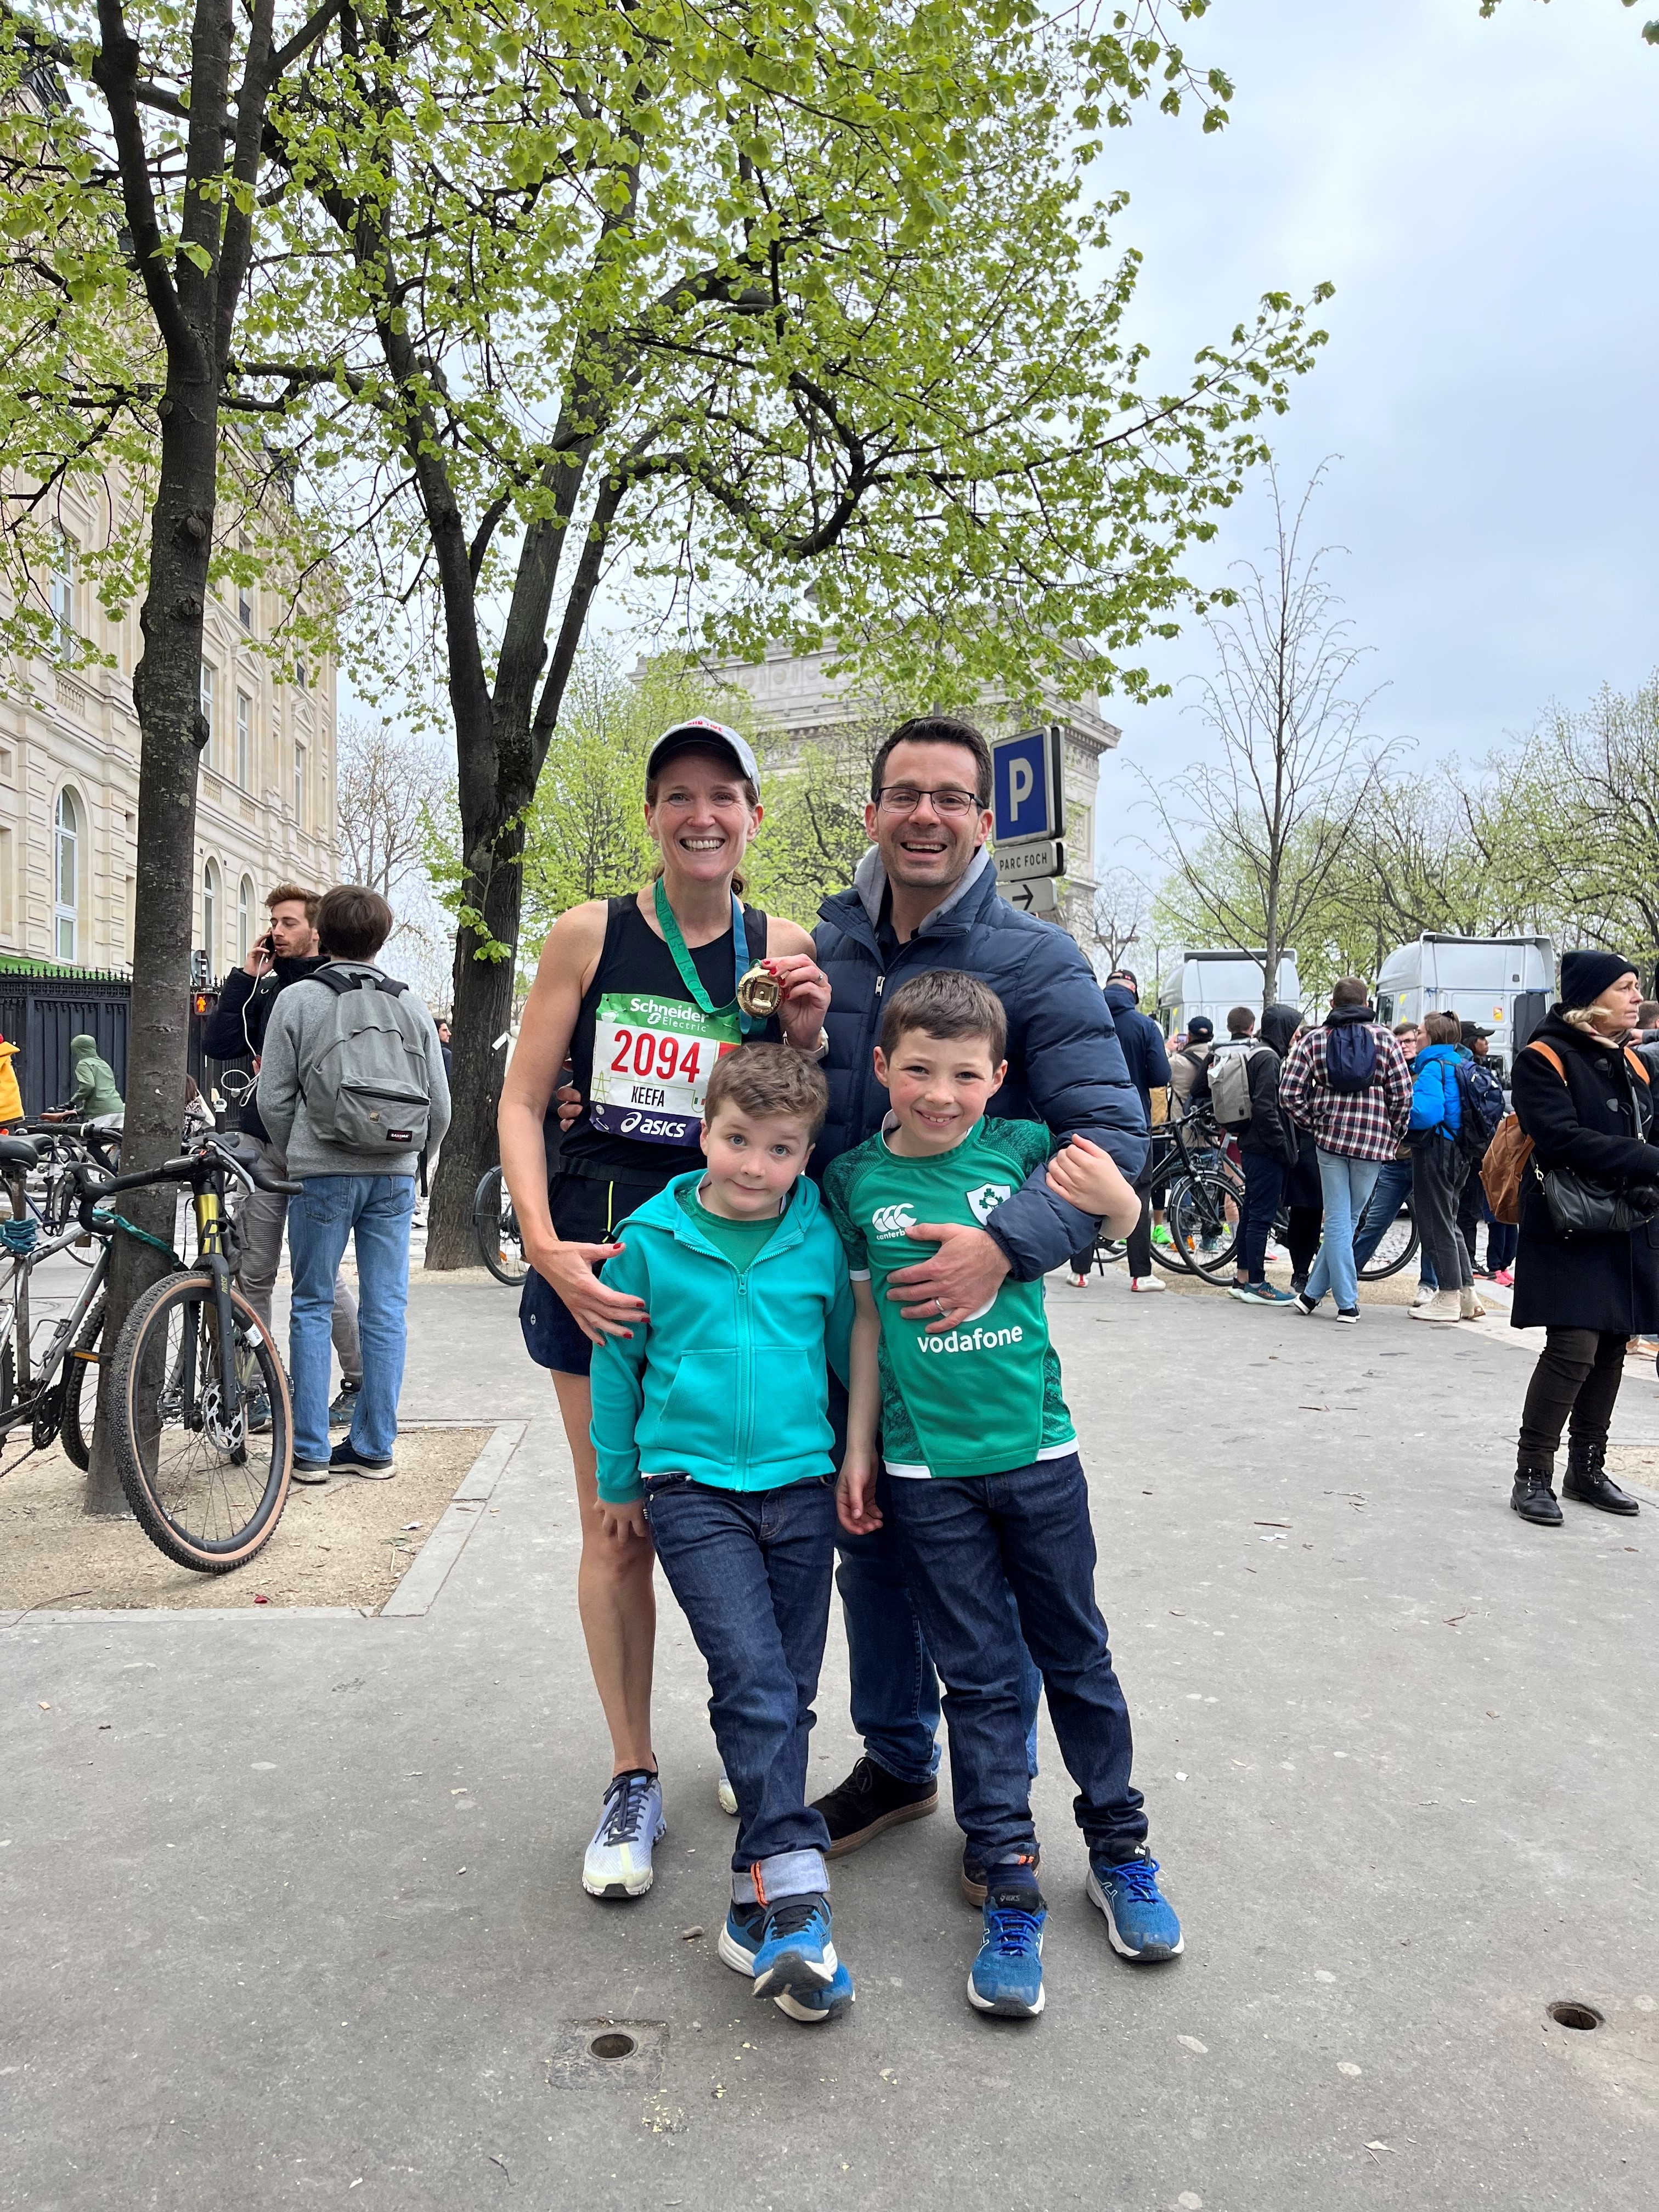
(1037, 895)
(1022, 863)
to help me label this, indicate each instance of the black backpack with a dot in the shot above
(1480, 1098)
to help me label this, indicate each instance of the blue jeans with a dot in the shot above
(895, 1691)
(1346, 1184)
(751, 1571)
(966, 1545)
(375, 1211)
(1391, 1188)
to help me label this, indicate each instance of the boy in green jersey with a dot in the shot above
(711, 1436)
(983, 1484)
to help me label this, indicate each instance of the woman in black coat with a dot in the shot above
(1589, 1293)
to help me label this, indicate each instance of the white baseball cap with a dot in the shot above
(699, 731)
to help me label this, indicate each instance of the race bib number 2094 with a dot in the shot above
(652, 1059)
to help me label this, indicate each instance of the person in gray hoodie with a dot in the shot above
(367, 1196)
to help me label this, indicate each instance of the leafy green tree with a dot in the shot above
(713, 303)
(132, 161)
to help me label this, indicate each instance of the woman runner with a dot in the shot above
(640, 995)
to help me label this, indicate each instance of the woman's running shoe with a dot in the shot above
(1140, 1919)
(618, 1860)
(741, 1938)
(1006, 1977)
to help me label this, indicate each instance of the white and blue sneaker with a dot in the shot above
(1140, 1919)
(741, 1938)
(618, 1860)
(797, 1955)
(1006, 1977)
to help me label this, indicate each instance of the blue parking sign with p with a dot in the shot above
(1024, 790)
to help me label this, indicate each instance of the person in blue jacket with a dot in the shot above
(924, 897)
(1148, 1062)
(1437, 1171)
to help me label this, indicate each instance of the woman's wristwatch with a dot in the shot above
(812, 1051)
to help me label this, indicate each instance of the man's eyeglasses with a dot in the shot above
(904, 799)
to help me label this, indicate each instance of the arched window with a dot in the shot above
(66, 876)
(210, 916)
(244, 898)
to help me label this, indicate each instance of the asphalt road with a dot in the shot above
(291, 1912)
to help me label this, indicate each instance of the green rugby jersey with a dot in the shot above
(985, 1396)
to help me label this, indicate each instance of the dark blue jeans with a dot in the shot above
(895, 1691)
(751, 1571)
(1264, 1185)
(965, 1546)
(374, 1211)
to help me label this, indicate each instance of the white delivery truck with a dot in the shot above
(1504, 984)
(1213, 983)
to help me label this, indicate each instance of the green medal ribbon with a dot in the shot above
(668, 923)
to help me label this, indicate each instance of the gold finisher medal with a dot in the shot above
(759, 994)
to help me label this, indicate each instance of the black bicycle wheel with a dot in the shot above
(1398, 1244)
(1200, 1229)
(497, 1226)
(76, 1435)
(207, 1488)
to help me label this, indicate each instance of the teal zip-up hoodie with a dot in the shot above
(727, 1383)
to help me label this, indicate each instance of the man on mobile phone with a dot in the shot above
(285, 954)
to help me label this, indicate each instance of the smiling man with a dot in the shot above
(926, 897)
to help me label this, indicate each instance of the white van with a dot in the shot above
(1504, 984)
(1213, 983)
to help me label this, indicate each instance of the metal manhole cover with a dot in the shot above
(588, 2053)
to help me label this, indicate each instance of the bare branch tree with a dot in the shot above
(1296, 766)
(389, 782)
(1121, 909)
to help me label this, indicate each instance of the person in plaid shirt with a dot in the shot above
(1356, 1129)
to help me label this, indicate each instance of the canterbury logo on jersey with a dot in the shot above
(893, 1220)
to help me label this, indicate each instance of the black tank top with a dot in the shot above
(656, 1057)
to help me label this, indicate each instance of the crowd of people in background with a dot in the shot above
(1335, 1126)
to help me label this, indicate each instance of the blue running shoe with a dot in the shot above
(796, 1956)
(1008, 1976)
(741, 1938)
(1140, 1919)
(617, 1863)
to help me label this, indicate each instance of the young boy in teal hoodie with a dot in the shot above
(712, 1434)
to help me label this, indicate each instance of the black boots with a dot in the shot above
(1588, 1481)
(1534, 1497)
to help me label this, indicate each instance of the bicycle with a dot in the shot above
(495, 1226)
(203, 1427)
(47, 1394)
(1201, 1182)
(1399, 1244)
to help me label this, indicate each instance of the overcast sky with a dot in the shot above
(1483, 195)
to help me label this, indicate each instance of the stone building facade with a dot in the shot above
(794, 697)
(68, 776)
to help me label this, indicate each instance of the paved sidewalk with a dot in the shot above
(292, 1915)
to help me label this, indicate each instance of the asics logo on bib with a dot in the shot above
(984, 1201)
(893, 1220)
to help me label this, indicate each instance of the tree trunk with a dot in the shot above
(484, 1009)
(167, 696)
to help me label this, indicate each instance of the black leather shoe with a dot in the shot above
(1588, 1481)
(870, 1799)
(1533, 1499)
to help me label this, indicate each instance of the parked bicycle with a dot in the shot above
(46, 1393)
(1203, 1191)
(497, 1227)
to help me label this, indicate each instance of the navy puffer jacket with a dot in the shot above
(1065, 1067)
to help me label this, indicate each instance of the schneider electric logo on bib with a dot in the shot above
(978, 1339)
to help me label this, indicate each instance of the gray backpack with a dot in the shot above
(1230, 1082)
(365, 1086)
